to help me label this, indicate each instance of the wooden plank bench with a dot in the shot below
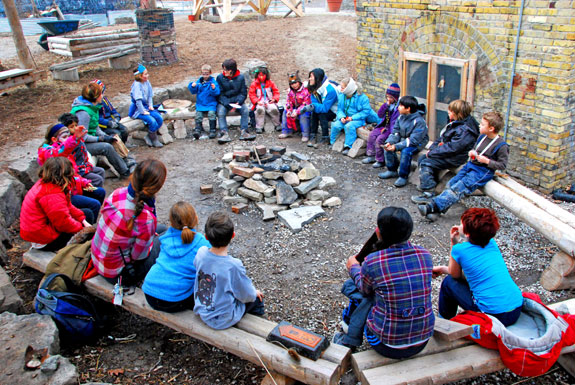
(17, 77)
(441, 361)
(246, 340)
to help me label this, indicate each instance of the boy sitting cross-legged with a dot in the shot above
(489, 154)
(409, 136)
(223, 291)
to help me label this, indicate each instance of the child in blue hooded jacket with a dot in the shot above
(169, 285)
(208, 90)
(353, 110)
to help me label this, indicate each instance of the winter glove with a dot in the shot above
(107, 139)
(307, 108)
(112, 125)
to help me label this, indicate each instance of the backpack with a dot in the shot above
(75, 314)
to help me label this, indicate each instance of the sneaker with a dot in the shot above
(377, 165)
(338, 339)
(205, 136)
(130, 162)
(304, 139)
(132, 168)
(424, 209)
(323, 140)
(400, 182)
(212, 134)
(197, 134)
(388, 174)
(284, 136)
(247, 136)
(432, 217)
(345, 151)
(422, 199)
(259, 130)
(368, 160)
(310, 143)
(278, 127)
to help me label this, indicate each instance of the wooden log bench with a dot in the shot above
(440, 362)
(247, 339)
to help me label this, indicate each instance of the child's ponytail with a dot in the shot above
(183, 217)
(147, 179)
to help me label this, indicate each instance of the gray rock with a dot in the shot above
(270, 200)
(218, 167)
(38, 331)
(291, 178)
(306, 187)
(295, 219)
(9, 298)
(122, 103)
(239, 178)
(229, 184)
(247, 69)
(317, 195)
(272, 175)
(257, 177)
(332, 202)
(285, 194)
(270, 192)
(358, 148)
(339, 143)
(180, 131)
(256, 185)
(51, 364)
(11, 196)
(250, 194)
(312, 203)
(294, 165)
(296, 204)
(307, 164)
(299, 157)
(160, 94)
(234, 200)
(269, 211)
(21, 161)
(180, 91)
(326, 182)
(228, 157)
(308, 173)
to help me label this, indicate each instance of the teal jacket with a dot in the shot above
(357, 107)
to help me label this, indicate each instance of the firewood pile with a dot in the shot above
(157, 36)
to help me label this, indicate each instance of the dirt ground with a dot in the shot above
(300, 274)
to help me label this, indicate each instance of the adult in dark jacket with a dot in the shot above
(233, 94)
(449, 150)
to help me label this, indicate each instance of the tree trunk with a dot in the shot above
(24, 56)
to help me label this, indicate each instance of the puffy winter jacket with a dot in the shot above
(46, 213)
(455, 140)
(256, 94)
(409, 131)
(207, 99)
(357, 107)
(232, 89)
(325, 98)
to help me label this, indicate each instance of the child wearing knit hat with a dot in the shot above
(388, 113)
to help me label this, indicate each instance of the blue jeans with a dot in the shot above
(404, 163)
(349, 128)
(255, 308)
(355, 315)
(467, 180)
(90, 206)
(304, 122)
(201, 114)
(222, 112)
(106, 149)
(154, 120)
(388, 351)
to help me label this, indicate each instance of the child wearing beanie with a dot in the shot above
(388, 113)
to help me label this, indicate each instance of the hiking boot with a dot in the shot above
(284, 136)
(155, 141)
(245, 135)
(422, 199)
(432, 217)
(400, 182)
(378, 165)
(388, 174)
(368, 160)
(148, 140)
(324, 140)
(259, 130)
(224, 137)
(197, 134)
(345, 151)
(212, 134)
(427, 209)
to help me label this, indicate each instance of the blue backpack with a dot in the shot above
(75, 314)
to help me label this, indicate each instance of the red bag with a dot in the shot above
(525, 357)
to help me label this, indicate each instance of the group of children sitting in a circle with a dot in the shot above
(390, 291)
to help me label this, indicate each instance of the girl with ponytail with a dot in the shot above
(169, 285)
(125, 244)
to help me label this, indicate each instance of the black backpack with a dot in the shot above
(74, 313)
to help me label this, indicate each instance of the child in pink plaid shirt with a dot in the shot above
(126, 231)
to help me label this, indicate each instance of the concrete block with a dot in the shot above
(120, 63)
(250, 194)
(69, 75)
(180, 131)
(358, 148)
(306, 187)
(295, 219)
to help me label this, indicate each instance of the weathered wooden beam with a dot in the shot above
(559, 275)
(91, 59)
(450, 330)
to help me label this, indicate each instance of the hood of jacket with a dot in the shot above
(173, 246)
(81, 101)
(472, 124)
(234, 75)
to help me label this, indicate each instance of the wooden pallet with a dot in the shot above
(246, 340)
(18, 77)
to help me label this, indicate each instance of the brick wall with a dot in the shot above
(542, 119)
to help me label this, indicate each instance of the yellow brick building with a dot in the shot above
(441, 50)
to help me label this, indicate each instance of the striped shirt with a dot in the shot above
(112, 234)
(400, 277)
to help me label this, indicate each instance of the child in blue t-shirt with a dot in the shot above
(223, 291)
(478, 278)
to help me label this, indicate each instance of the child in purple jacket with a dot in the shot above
(388, 113)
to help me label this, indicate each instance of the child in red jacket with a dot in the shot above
(48, 219)
(264, 96)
